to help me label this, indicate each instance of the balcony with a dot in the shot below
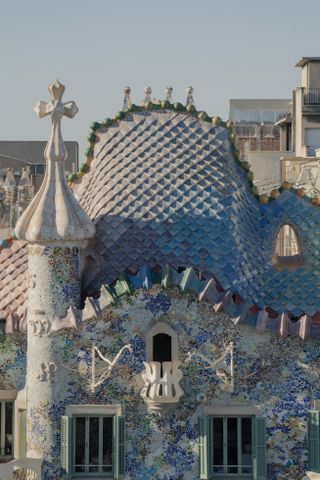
(311, 101)
(312, 96)
(161, 385)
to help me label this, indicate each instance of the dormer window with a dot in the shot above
(287, 252)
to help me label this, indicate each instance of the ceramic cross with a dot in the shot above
(55, 149)
(55, 107)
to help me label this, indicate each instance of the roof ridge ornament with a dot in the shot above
(54, 214)
(168, 93)
(25, 179)
(147, 97)
(190, 100)
(126, 104)
(10, 181)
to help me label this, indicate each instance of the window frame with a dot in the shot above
(226, 474)
(3, 403)
(206, 441)
(281, 261)
(100, 411)
(7, 396)
(162, 327)
(87, 446)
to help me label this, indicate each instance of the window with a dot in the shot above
(6, 430)
(92, 443)
(37, 169)
(314, 441)
(232, 447)
(287, 253)
(162, 344)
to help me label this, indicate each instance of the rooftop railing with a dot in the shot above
(312, 96)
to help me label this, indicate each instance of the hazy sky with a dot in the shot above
(225, 49)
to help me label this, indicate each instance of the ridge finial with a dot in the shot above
(189, 92)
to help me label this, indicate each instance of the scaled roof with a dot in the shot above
(164, 188)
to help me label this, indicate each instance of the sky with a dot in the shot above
(224, 49)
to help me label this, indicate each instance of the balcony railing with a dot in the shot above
(161, 385)
(312, 96)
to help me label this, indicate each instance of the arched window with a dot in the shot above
(162, 344)
(287, 252)
(162, 348)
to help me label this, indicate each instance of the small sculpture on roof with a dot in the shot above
(126, 100)
(25, 179)
(189, 92)
(10, 180)
(168, 93)
(147, 96)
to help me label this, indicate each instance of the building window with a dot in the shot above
(37, 169)
(162, 348)
(232, 447)
(92, 444)
(162, 344)
(287, 252)
(6, 430)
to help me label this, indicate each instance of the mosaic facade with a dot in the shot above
(54, 279)
(278, 375)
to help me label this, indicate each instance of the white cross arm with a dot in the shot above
(70, 109)
(43, 108)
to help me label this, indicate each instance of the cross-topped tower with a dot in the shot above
(55, 226)
(54, 213)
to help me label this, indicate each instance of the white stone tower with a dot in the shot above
(55, 226)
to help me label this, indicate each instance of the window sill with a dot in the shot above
(103, 476)
(232, 477)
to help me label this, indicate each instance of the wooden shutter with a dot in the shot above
(205, 448)
(314, 441)
(66, 446)
(259, 449)
(118, 447)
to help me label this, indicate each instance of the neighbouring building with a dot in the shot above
(302, 167)
(152, 328)
(22, 169)
(18, 155)
(258, 137)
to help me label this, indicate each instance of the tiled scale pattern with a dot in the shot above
(164, 188)
(13, 280)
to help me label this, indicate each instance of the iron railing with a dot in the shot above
(312, 96)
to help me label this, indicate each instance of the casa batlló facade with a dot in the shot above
(150, 331)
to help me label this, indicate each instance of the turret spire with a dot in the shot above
(54, 214)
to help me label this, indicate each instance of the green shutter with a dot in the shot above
(259, 449)
(22, 433)
(66, 446)
(118, 447)
(205, 448)
(313, 441)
